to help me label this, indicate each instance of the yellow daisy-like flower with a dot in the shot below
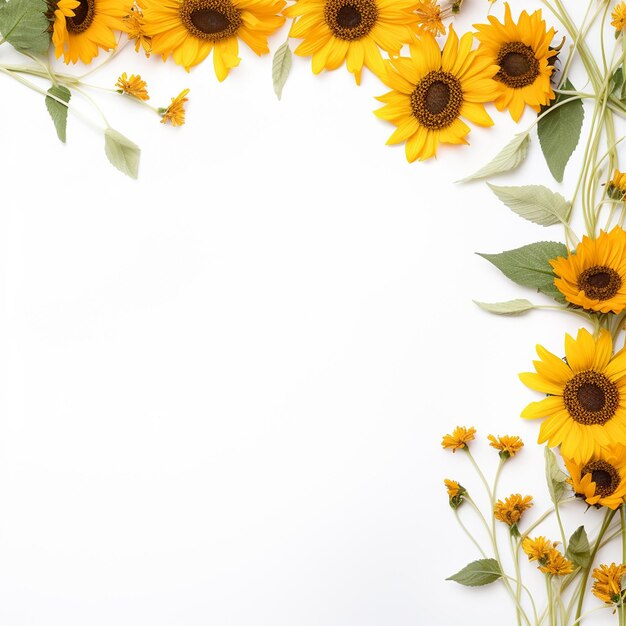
(354, 31)
(133, 86)
(506, 446)
(455, 493)
(510, 511)
(619, 16)
(522, 52)
(601, 478)
(459, 438)
(82, 28)
(556, 564)
(616, 189)
(607, 585)
(133, 27)
(594, 277)
(433, 90)
(430, 17)
(538, 549)
(190, 29)
(586, 405)
(175, 112)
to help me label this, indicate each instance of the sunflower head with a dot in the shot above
(586, 395)
(594, 276)
(432, 90)
(607, 583)
(507, 446)
(523, 54)
(459, 438)
(600, 479)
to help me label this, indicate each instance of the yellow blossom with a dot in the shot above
(133, 86)
(556, 564)
(455, 492)
(175, 112)
(616, 189)
(430, 16)
(538, 548)
(510, 511)
(619, 16)
(459, 438)
(506, 445)
(607, 584)
(133, 27)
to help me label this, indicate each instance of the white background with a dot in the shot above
(224, 386)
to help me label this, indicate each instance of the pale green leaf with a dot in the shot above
(512, 307)
(529, 266)
(281, 65)
(478, 573)
(24, 25)
(58, 111)
(122, 152)
(578, 550)
(535, 203)
(555, 476)
(507, 159)
(559, 131)
(617, 81)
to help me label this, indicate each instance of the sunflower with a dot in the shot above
(522, 52)
(433, 90)
(80, 28)
(594, 277)
(607, 585)
(586, 405)
(616, 189)
(353, 31)
(601, 478)
(189, 29)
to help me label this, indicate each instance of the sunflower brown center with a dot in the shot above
(437, 99)
(518, 65)
(83, 17)
(210, 19)
(591, 398)
(350, 19)
(600, 282)
(604, 475)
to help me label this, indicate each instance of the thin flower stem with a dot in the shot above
(469, 534)
(588, 613)
(622, 516)
(550, 591)
(111, 56)
(560, 522)
(585, 575)
(481, 475)
(542, 518)
(518, 575)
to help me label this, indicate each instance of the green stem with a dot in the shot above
(469, 534)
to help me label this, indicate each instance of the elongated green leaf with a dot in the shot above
(512, 307)
(529, 266)
(122, 152)
(578, 550)
(58, 111)
(478, 573)
(559, 131)
(507, 159)
(24, 25)
(555, 476)
(281, 65)
(617, 81)
(535, 203)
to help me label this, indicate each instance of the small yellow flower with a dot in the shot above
(133, 27)
(556, 564)
(507, 446)
(607, 584)
(459, 438)
(175, 112)
(133, 86)
(616, 189)
(455, 492)
(510, 511)
(430, 17)
(538, 548)
(619, 16)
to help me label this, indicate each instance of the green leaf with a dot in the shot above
(535, 203)
(617, 81)
(58, 111)
(512, 307)
(555, 476)
(578, 550)
(24, 25)
(559, 131)
(122, 152)
(529, 266)
(281, 65)
(477, 573)
(507, 159)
